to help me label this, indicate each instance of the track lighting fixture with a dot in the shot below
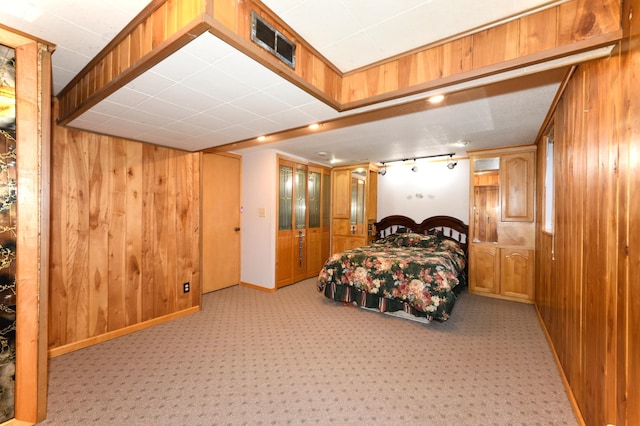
(451, 163)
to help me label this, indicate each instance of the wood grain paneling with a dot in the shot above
(538, 32)
(159, 30)
(586, 293)
(165, 26)
(628, 250)
(33, 115)
(496, 45)
(124, 236)
(532, 37)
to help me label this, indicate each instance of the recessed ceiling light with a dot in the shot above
(462, 143)
(262, 138)
(322, 154)
(436, 99)
(314, 126)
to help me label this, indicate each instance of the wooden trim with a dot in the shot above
(485, 71)
(460, 60)
(73, 104)
(32, 253)
(257, 287)
(121, 36)
(506, 150)
(65, 349)
(13, 38)
(552, 109)
(565, 382)
(259, 55)
(15, 422)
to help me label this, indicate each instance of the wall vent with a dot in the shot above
(272, 40)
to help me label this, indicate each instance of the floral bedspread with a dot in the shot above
(411, 272)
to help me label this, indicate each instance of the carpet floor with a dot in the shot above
(295, 357)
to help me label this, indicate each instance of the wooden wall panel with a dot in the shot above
(538, 32)
(586, 292)
(159, 30)
(31, 208)
(496, 44)
(517, 42)
(125, 235)
(117, 205)
(100, 165)
(628, 250)
(165, 27)
(581, 19)
(133, 218)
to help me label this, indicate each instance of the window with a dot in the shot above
(548, 184)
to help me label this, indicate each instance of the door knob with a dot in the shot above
(236, 229)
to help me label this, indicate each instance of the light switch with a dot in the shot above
(262, 212)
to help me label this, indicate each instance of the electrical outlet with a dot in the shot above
(186, 288)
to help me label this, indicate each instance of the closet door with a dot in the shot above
(319, 228)
(315, 229)
(300, 224)
(284, 242)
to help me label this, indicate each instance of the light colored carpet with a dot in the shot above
(295, 357)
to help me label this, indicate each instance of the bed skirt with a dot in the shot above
(349, 294)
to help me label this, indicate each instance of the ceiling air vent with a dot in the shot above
(267, 37)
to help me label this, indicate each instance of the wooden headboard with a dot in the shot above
(450, 227)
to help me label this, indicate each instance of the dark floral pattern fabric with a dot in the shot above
(413, 272)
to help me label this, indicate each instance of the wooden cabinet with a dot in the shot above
(483, 267)
(502, 212)
(354, 192)
(503, 272)
(516, 273)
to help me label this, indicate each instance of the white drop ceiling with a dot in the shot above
(209, 94)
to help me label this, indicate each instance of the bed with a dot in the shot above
(412, 270)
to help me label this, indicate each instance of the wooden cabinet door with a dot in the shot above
(517, 185)
(516, 273)
(483, 269)
(341, 194)
(343, 243)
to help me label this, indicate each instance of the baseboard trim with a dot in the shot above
(565, 381)
(258, 287)
(65, 349)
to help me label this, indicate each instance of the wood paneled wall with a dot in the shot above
(160, 29)
(124, 235)
(167, 25)
(528, 39)
(587, 291)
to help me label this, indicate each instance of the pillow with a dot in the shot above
(435, 231)
(409, 239)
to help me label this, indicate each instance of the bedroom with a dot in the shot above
(567, 250)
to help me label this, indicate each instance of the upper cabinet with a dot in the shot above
(517, 177)
(502, 212)
(353, 205)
